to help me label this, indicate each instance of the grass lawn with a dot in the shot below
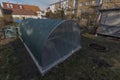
(86, 64)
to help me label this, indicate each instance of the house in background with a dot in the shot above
(21, 11)
(55, 7)
(1, 14)
(1, 11)
(88, 6)
(75, 6)
(67, 5)
(7, 13)
(52, 7)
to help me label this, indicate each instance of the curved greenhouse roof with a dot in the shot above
(50, 41)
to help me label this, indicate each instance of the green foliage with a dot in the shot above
(50, 14)
(85, 15)
(14, 24)
(60, 14)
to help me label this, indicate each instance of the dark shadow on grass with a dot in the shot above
(28, 68)
(85, 64)
(23, 66)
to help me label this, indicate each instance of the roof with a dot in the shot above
(21, 9)
(23, 12)
(31, 7)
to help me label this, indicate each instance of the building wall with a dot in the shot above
(76, 6)
(21, 17)
(71, 6)
(86, 6)
(1, 15)
(109, 4)
(1, 19)
(67, 5)
(22, 11)
(57, 6)
(52, 8)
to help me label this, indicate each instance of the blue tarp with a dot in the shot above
(18, 21)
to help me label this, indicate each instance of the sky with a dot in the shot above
(43, 4)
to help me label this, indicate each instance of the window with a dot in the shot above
(87, 10)
(20, 7)
(87, 3)
(108, 0)
(11, 6)
(8, 6)
(93, 2)
(80, 10)
(81, 4)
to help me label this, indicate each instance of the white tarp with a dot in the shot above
(110, 23)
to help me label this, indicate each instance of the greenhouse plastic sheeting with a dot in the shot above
(110, 23)
(49, 42)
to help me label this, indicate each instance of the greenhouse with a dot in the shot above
(50, 42)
